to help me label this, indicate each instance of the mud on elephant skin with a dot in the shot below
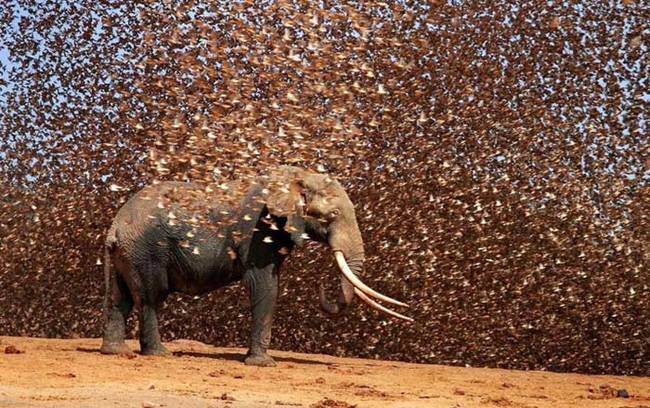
(185, 237)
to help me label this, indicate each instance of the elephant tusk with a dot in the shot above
(379, 307)
(354, 280)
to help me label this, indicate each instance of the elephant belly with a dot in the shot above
(201, 268)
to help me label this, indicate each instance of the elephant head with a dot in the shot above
(318, 206)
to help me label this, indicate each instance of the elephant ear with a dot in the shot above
(285, 199)
(285, 192)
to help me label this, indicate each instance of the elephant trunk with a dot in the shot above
(348, 251)
(346, 295)
(344, 239)
(342, 302)
(347, 244)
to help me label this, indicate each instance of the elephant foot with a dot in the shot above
(260, 360)
(115, 348)
(158, 350)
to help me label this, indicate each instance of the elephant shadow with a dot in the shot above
(241, 356)
(230, 356)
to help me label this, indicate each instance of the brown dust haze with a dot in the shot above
(496, 152)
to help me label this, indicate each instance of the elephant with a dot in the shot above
(191, 238)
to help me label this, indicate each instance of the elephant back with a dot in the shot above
(150, 205)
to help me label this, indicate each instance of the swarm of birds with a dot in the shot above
(496, 152)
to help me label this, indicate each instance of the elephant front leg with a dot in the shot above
(263, 287)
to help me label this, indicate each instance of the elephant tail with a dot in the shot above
(111, 241)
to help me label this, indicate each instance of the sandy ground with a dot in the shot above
(72, 373)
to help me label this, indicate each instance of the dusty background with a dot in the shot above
(495, 151)
(72, 373)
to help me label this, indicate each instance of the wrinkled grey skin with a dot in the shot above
(155, 247)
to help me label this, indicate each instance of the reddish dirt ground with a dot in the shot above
(72, 373)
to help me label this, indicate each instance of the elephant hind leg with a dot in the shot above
(150, 343)
(154, 292)
(119, 304)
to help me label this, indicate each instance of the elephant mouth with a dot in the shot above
(365, 293)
